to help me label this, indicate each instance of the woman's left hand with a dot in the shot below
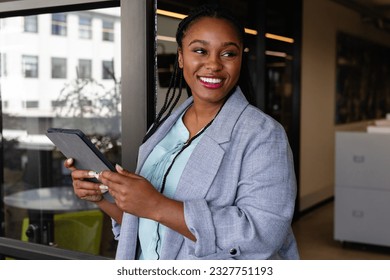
(132, 193)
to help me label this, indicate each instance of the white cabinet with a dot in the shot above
(362, 188)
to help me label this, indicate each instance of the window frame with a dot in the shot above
(138, 72)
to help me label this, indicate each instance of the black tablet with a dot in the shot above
(73, 143)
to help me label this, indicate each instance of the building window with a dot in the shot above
(58, 68)
(58, 24)
(58, 103)
(30, 66)
(31, 24)
(31, 104)
(108, 69)
(85, 27)
(85, 69)
(108, 30)
(3, 64)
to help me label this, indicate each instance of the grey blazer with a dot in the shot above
(238, 189)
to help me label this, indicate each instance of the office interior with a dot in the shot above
(319, 67)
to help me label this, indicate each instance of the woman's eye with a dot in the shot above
(200, 51)
(229, 54)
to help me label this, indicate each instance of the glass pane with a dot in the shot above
(62, 86)
(59, 24)
(108, 30)
(166, 55)
(30, 66)
(58, 67)
(85, 69)
(85, 27)
(31, 24)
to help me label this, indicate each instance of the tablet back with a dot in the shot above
(74, 144)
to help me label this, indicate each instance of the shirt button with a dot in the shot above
(233, 251)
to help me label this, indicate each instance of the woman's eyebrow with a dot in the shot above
(231, 44)
(204, 42)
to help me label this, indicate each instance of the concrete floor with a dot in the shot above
(314, 234)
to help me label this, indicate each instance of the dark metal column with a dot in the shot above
(138, 66)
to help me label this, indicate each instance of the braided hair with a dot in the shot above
(177, 82)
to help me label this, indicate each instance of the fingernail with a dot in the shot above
(103, 188)
(69, 161)
(119, 167)
(93, 174)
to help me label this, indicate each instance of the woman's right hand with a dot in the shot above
(84, 189)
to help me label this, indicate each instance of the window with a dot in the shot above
(58, 68)
(108, 69)
(40, 88)
(85, 69)
(58, 24)
(108, 30)
(31, 24)
(58, 103)
(3, 64)
(85, 27)
(31, 104)
(30, 66)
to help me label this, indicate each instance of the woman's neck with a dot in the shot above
(199, 115)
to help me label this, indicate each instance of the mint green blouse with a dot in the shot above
(154, 170)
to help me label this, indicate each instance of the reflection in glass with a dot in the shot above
(56, 81)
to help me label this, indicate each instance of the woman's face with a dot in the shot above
(211, 57)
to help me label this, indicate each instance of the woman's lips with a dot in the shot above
(212, 83)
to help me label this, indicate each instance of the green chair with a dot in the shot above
(77, 231)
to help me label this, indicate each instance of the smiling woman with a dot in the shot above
(215, 177)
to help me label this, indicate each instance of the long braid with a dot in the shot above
(168, 98)
(167, 101)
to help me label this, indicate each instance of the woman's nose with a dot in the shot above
(213, 63)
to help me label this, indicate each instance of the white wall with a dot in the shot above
(322, 19)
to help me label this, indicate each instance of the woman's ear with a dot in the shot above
(180, 58)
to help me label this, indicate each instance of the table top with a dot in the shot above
(61, 199)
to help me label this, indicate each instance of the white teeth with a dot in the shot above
(211, 80)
